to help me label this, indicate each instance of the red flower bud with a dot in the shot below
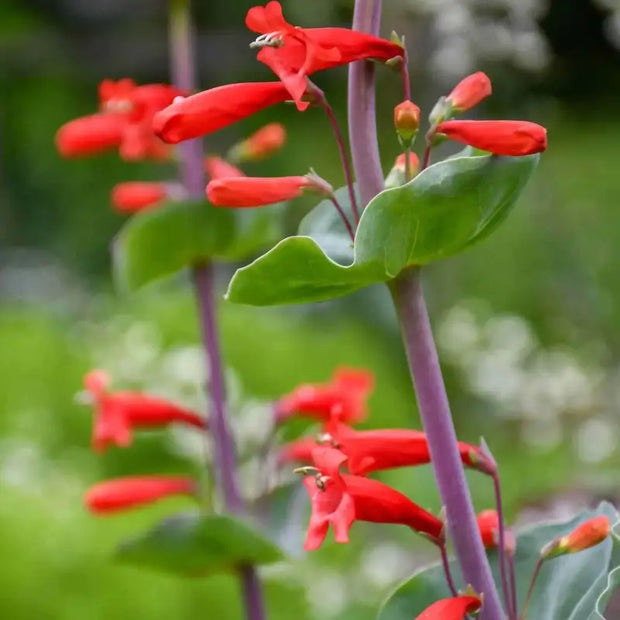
(218, 168)
(118, 413)
(488, 525)
(92, 134)
(588, 534)
(455, 608)
(124, 493)
(470, 91)
(343, 398)
(261, 144)
(260, 191)
(406, 120)
(498, 137)
(293, 53)
(133, 196)
(341, 499)
(213, 109)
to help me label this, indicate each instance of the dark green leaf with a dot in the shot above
(161, 241)
(567, 588)
(197, 545)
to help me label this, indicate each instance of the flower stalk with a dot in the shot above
(437, 421)
(192, 176)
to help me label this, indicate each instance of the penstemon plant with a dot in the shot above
(374, 229)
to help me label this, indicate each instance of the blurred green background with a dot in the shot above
(526, 322)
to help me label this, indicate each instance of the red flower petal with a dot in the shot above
(451, 608)
(343, 397)
(213, 109)
(89, 135)
(255, 191)
(133, 196)
(123, 493)
(498, 137)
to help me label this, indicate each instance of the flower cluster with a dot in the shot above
(342, 498)
(126, 123)
(117, 415)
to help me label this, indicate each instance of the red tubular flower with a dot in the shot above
(214, 109)
(377, 450)
(470, 91)
(341, 499)
(498, 137)
(455, 608)
(218, 168)
(298, 451)
(122, 494)
(89, 135)
(133, 196)
(293, 53)
(118, 413)
(261, 191)
(343, 398)
(261, 144)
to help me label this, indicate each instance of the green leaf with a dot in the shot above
(568, 587)
(445, 209)
(325, 226)
(159, 242)
(297, 270)
(196, 544)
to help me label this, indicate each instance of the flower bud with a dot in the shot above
(261, 191)
(469, 92)
(488, 525)
(261, 144)
(498, 137)
(407, 121)
(134, 196)
(588, 534)
(397, 177)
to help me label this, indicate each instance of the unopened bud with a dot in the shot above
(586, 535)
(488, 526)
(261, 144)
(407, 121)
(469, 92)
(397, 175)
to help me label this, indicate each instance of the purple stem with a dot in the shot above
(501, 548)
(192, 175)
(342, 149)
(343, 216)
(530, 590)
(418, 339)
(437, 421)
(513, 584)
(445, 561)
(361, 108)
